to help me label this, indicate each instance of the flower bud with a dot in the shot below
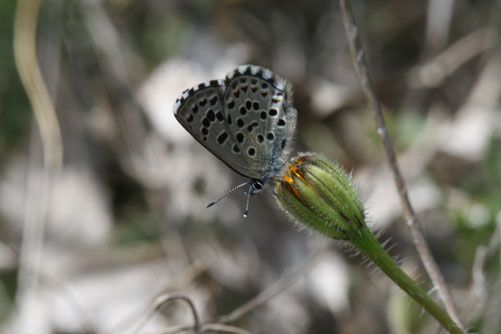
(320, 195)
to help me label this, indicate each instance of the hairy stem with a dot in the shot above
(368, 244)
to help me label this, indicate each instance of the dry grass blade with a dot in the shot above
(36, 207)
(25, 56)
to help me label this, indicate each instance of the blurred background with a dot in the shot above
(92, 242)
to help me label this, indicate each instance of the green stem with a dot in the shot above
(368, 244)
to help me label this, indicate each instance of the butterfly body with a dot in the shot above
(245, 120)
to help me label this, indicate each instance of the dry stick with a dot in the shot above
(207, 328)
(423, 250)
(478, 290)
(261, 298)
(179, 282)
(220, 328)
(274, 289)
(165, 299)
(436, 70)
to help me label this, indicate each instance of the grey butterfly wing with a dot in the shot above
(200, 111)
(260, 116)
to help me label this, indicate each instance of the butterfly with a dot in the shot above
(246, 120)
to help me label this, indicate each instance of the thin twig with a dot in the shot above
(436, 70)
(167, 298)
(478, 290)
(359, 61)
(274, 289)
(220, 328)
(491, 321)
(178, 283)
(208, 328)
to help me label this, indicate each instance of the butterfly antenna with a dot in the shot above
(249, 193)
(227, 193)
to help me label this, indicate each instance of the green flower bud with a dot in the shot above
(320, 195)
